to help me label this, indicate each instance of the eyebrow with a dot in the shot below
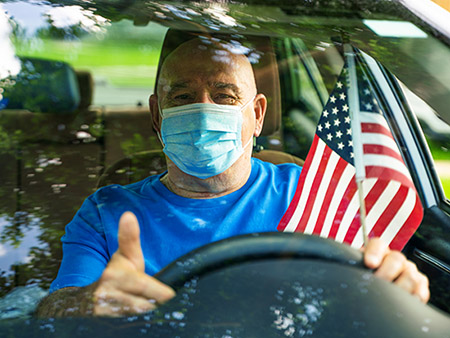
(225, 85)
(178, 85)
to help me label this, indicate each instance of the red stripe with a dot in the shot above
(338, 170)
(369, 201)
(312, 195)
(301, 181)
(375, 128)
(346, 198)
(410, 226)
(389, 213)
(388, 174)
(381, 150)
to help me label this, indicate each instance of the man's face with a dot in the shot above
(199, 73)
(204, 73)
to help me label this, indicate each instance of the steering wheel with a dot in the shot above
(288, 285)
(256, 247)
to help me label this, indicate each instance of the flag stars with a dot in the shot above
(339, 134)
(319, 127)
(367, 91)
(339, 84)
(325, 113)
(342, 96)
(337, 122)
(340, 145)
(327, 125)
(345, 108)
(350, 143)
(347, 119)
(329, 137)
(368, 106)
(351, 155)
(349, 131)
(333, 99)
(335, 111)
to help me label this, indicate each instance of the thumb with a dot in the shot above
(129, 240)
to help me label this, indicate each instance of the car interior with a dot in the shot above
(59, 146)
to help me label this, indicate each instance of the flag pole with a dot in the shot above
(353, 99)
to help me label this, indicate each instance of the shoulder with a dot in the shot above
(134, 189)
(285, 169)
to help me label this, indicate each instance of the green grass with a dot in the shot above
(119, 63)
(446, 185)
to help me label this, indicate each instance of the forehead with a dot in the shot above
(196, 63)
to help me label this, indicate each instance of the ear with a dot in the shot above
(156, 117)
(259, 106)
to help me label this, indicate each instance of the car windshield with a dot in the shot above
(75, 82)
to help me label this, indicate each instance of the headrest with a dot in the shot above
(262, 58)
(86, 88)
(43, 86)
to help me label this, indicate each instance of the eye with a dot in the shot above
(182, 97)
(224, 98)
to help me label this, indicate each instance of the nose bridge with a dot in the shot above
(204, 96)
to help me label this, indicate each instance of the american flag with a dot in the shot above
(326, 201)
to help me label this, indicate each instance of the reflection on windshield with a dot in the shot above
(310, 306)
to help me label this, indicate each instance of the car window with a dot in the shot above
(75, 82)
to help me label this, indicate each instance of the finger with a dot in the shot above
(408, 278)
(135, 282)
(375, 252)
(423, 289)
(129, 240)
(392, 266)
(112, 302)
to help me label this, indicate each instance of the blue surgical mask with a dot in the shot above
(203, 139)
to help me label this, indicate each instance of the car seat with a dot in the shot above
(261, 53)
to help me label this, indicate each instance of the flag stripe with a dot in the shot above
(294, 203)
(405, 233)
(309, 179)
(331, 192)
(372, 195)
(376, 211)
(344, 180)
(379, 139)
(377, 149)
(400, 217)
(352, 210)
(386, 161)
(316, 183)
(324, 184)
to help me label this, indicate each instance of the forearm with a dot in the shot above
(67, 302)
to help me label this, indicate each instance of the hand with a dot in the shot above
(394, 267)
(124, 288)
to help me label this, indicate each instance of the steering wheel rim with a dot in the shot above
(252, 247)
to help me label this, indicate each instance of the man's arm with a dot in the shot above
(123, 288)
(67, 302)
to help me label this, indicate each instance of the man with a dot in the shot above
(206, 111)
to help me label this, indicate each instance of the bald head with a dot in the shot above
(218, 64)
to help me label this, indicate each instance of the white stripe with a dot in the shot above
(377, 210)
(400, 217)
(386, 161)
(292, 225)
(347, 176)
(381, 140)
(352, 208)
(374, 118)
(320, 195)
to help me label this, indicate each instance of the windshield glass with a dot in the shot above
(76, 115)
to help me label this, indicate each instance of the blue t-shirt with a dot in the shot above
(170, 225)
